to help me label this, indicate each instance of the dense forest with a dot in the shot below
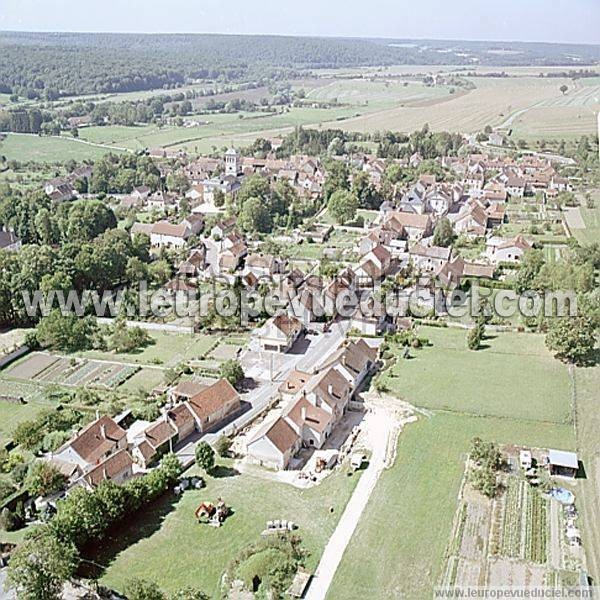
(50, 65)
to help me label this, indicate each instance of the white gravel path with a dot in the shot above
(381, 428)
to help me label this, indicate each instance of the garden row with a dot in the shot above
(76, 372)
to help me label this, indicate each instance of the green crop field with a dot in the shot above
(512, 376)
(166, 543)
(408, 519)
(46, 149)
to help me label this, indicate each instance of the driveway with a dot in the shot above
(381, 428)
(320, 346)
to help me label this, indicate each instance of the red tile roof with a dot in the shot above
(213, 398)
(160, 433)
(94, 441)
(113, 466)
(282, 435)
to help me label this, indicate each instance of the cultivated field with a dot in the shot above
(410, 515)
(555, 122)
(168, 545)
(76, 372)
(376, 100)
(512, 376)
(495, 101)
(380, 93)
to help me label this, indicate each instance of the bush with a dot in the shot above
(6, 488)
(9, 521)
(44, 479)
(475, 337)
(223, 445)
(128, 339)
(232, 371)
(142, 589)
(273, 560)
(485, 481)
(85, 515)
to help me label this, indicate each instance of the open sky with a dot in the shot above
(575, 21)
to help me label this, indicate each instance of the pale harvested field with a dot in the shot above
(555, 122)
(578, 95)
(492, 103)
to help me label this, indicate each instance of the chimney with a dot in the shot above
(103, 431)
(303, 414)
(330, 390)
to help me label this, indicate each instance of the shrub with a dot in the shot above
(223, 445)
(9, 521)
(205, 456)
(44, 479)
(232, 371)
(142, 589)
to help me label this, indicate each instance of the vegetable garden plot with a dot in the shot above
(33, 365)
(74, 372)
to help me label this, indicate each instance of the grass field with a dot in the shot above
(220, 129)
(587, 384)
(167, 544)
(13, 414)
(168, 350)
(368, 215)
(512, 376)
(398, 549)
(146, 379)
(47, 149)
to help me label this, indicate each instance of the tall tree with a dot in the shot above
(40, 565)
(342, 206)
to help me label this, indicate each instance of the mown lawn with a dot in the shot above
(168, 545)
(512, 376)
(11, 414)
(398, 549)
(587, 384)
(168, 350)
(146, 379)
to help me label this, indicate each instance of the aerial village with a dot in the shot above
(304, 400)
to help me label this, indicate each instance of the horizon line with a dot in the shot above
(301, 35)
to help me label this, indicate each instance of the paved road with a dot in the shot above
(319, 348)
(340, 539)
